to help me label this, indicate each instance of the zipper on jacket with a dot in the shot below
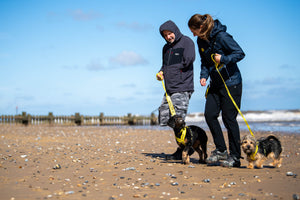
(229, 77)
(170, 52)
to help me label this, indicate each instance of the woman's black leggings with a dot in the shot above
(218, 100)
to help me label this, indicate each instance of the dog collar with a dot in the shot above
(252, 156)
(182, 135)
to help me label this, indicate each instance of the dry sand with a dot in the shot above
(42, 162)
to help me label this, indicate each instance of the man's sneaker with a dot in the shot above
(216, 156)
(231, 162)
(177, 155)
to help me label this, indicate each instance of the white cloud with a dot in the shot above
(135, 26)
(129, 58)
(95, 65)
(79, 15)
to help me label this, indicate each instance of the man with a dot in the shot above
(177, 71)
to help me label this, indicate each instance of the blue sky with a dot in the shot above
(67, 56)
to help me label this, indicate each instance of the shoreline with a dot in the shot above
(57, 162)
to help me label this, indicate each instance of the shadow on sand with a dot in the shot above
(162, 158)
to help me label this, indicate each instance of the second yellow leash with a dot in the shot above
(217, 68)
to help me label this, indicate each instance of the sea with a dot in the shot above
(284, 121)
(273, 121)
(272, 127)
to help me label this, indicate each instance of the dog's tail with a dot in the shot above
(272, 137)
(203, 144)
(275, 140)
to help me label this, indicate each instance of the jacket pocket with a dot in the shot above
(215, 76)
(176, 56)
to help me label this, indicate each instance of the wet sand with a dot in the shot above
(42, 162)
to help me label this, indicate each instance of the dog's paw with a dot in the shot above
(259, 166)
(279, 165)
(250, 166)
(186, 163)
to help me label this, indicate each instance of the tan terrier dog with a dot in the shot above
(259, 151)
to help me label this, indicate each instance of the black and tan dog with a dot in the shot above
(259, 151)
(189, 137)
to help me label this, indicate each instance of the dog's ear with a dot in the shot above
(243, 139)
(249, 138)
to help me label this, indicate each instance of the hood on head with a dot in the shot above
(218, 27)
(170, 26)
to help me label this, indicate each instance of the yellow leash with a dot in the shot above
(180, 140)
(172, 110)
(252, 156)
(217, 68)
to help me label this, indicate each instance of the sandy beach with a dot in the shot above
(43, 162)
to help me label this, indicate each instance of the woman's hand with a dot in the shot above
(217, 58)
(203, 82)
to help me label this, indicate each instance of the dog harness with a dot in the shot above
(181, 138)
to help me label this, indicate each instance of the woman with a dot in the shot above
(215, 43)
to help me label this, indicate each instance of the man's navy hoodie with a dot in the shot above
(178, 58)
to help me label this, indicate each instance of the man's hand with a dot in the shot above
(160, 76)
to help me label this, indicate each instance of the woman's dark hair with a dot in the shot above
(206, 21)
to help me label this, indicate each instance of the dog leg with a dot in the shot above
(205, 156)
(260, 161)
(276, 161)
(187, 160)
(204, 149)
(250, 164)
(201, 157)
(279, 162)
(197, 148)
(185, 156)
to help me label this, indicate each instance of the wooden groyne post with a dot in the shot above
(78, 119)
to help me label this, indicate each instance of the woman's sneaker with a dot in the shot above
(231, 162)
(216, 156)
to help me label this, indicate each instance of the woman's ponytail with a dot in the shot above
(206, 21)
